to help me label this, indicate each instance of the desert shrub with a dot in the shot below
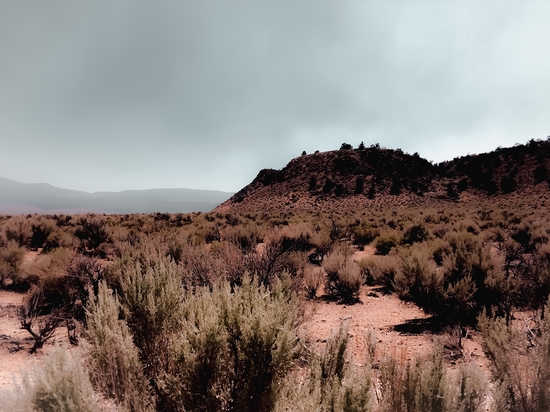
(467, 392)
(440, 230)
(266, 265)
(331, 385)
(59, 238)
(230, 260)
(113, 360)
(440, 248)
(296, 237)
(40, 326)
(419, 385)
(417, 280)
(151, 299)
(18, 230)
(343, 277)
(415, 234)
(365, 235)
(466, 269)
(234, 343)
(92, 232)
(379, 270)
(83, 277)
(246, 237)
(41, 230)
(467, 281)
(521, 362)
(11, 259)
(197, 266)
(313, 280)
(60, 384)
(385, 243)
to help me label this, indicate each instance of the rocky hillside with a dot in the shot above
(374, 176)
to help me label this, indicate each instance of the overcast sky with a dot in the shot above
(135, 94)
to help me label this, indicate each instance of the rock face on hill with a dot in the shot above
(380, 177)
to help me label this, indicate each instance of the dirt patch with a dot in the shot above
(384, 314)
(368, 250)
(15, 342)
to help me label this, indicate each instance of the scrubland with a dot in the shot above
(213, 311)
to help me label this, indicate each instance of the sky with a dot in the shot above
(109, 95)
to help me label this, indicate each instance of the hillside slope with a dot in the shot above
(379, 177)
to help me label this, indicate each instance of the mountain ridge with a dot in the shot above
(16, 197)
(376, 177)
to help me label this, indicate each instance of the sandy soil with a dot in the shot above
(15, 342)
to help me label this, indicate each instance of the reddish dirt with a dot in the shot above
(382, 314)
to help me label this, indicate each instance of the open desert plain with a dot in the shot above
(358, 279)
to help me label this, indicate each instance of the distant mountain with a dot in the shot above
(378, 177)
(25, 198)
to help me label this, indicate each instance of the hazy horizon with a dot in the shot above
(131, 95)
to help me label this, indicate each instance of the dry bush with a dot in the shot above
(59, 238)
(343, 277)
(151, 299)
(92, 232)
(246, 237)
(418, 280)
(272, 261)
(364, 235)
(113, 360)
(41, 230)
(231, 262)
(41, 326)
(11, 259)
(232, 346)
(379, 270)
(297, 237)
(386, 242)
(520, 356)
(19, 230)
(416, 233)
(60, 384)
(331, 385)
(424, 385)
(197, 266)
(313, 279)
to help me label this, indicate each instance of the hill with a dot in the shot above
(379, 177)
(17, 198)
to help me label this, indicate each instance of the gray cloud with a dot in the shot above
(112, 95)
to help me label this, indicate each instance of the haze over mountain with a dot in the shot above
(378, 177)
(16, 198)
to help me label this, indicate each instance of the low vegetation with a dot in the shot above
(201, 312)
